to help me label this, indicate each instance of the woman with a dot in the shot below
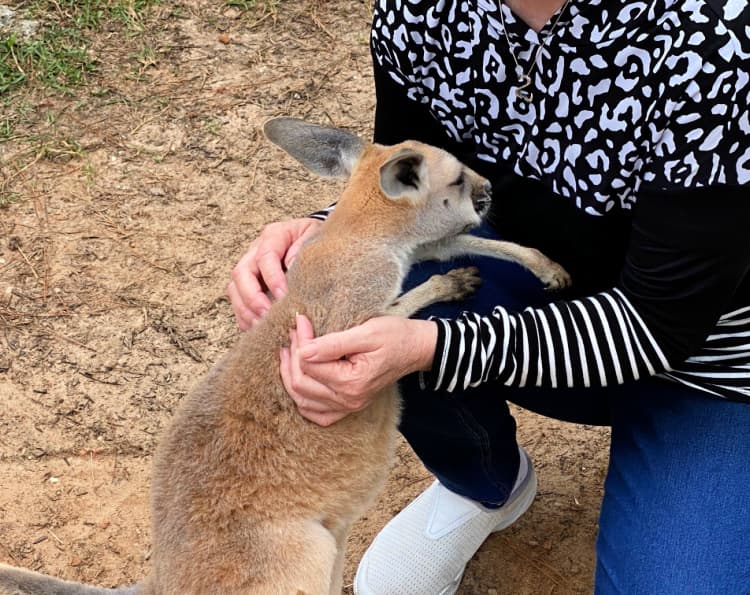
(616, 136)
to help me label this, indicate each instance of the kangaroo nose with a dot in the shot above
(481, 198)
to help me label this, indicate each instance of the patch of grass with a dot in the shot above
(8, 198)
(212, 126)
(64, 149)
(58, 58)
(91, 14)
(57, 61)
(13, 113)
(256, 6)
(242, 4)
(130, 13)
(52, 144)
(146, 57)
(90, 173)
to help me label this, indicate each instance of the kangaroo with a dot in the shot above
(248, 497)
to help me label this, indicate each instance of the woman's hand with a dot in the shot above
(340, 373)
(262, 268)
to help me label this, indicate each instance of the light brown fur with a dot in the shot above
(247, 496)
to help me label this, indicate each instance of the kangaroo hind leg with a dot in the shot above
(297, 559)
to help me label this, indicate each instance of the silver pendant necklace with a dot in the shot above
(524, 78)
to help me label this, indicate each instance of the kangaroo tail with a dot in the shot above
(16, 581)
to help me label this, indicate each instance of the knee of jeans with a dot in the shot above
(468, 442)
(646, 546)
(636, 574)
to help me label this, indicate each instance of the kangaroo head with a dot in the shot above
(437, 195)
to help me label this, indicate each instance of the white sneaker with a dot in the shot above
(424, 549)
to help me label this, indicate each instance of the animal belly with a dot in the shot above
(356, 477)
(246, 473)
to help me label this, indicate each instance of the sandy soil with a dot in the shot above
(112, 273)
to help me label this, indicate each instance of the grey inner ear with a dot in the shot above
(329, 152)
(403, 173)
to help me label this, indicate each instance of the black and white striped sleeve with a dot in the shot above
(688, 260)
(322, 214)
(595, 341)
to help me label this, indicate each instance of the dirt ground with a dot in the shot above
(113, 264)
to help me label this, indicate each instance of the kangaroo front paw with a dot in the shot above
(555, 277)
(457, 284)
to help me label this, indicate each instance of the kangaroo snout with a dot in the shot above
(481, 196)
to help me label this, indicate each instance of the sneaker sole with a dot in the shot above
(524, 500)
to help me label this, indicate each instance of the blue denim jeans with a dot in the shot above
(675, 517)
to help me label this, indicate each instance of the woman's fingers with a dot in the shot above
(248, 288)
(327, 368)
(304, 389)
(246, 318)
(306, 385)
(334, 346)
(263, 268)
(304, 330)
(322, 412)
(294, 249)
(304, 400)
(318, 399)
(269, 260)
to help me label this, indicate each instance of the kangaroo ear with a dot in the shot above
(403, 173)
(328, 152)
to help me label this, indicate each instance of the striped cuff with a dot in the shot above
(322, 215)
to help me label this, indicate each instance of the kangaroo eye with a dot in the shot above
(459, 180)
